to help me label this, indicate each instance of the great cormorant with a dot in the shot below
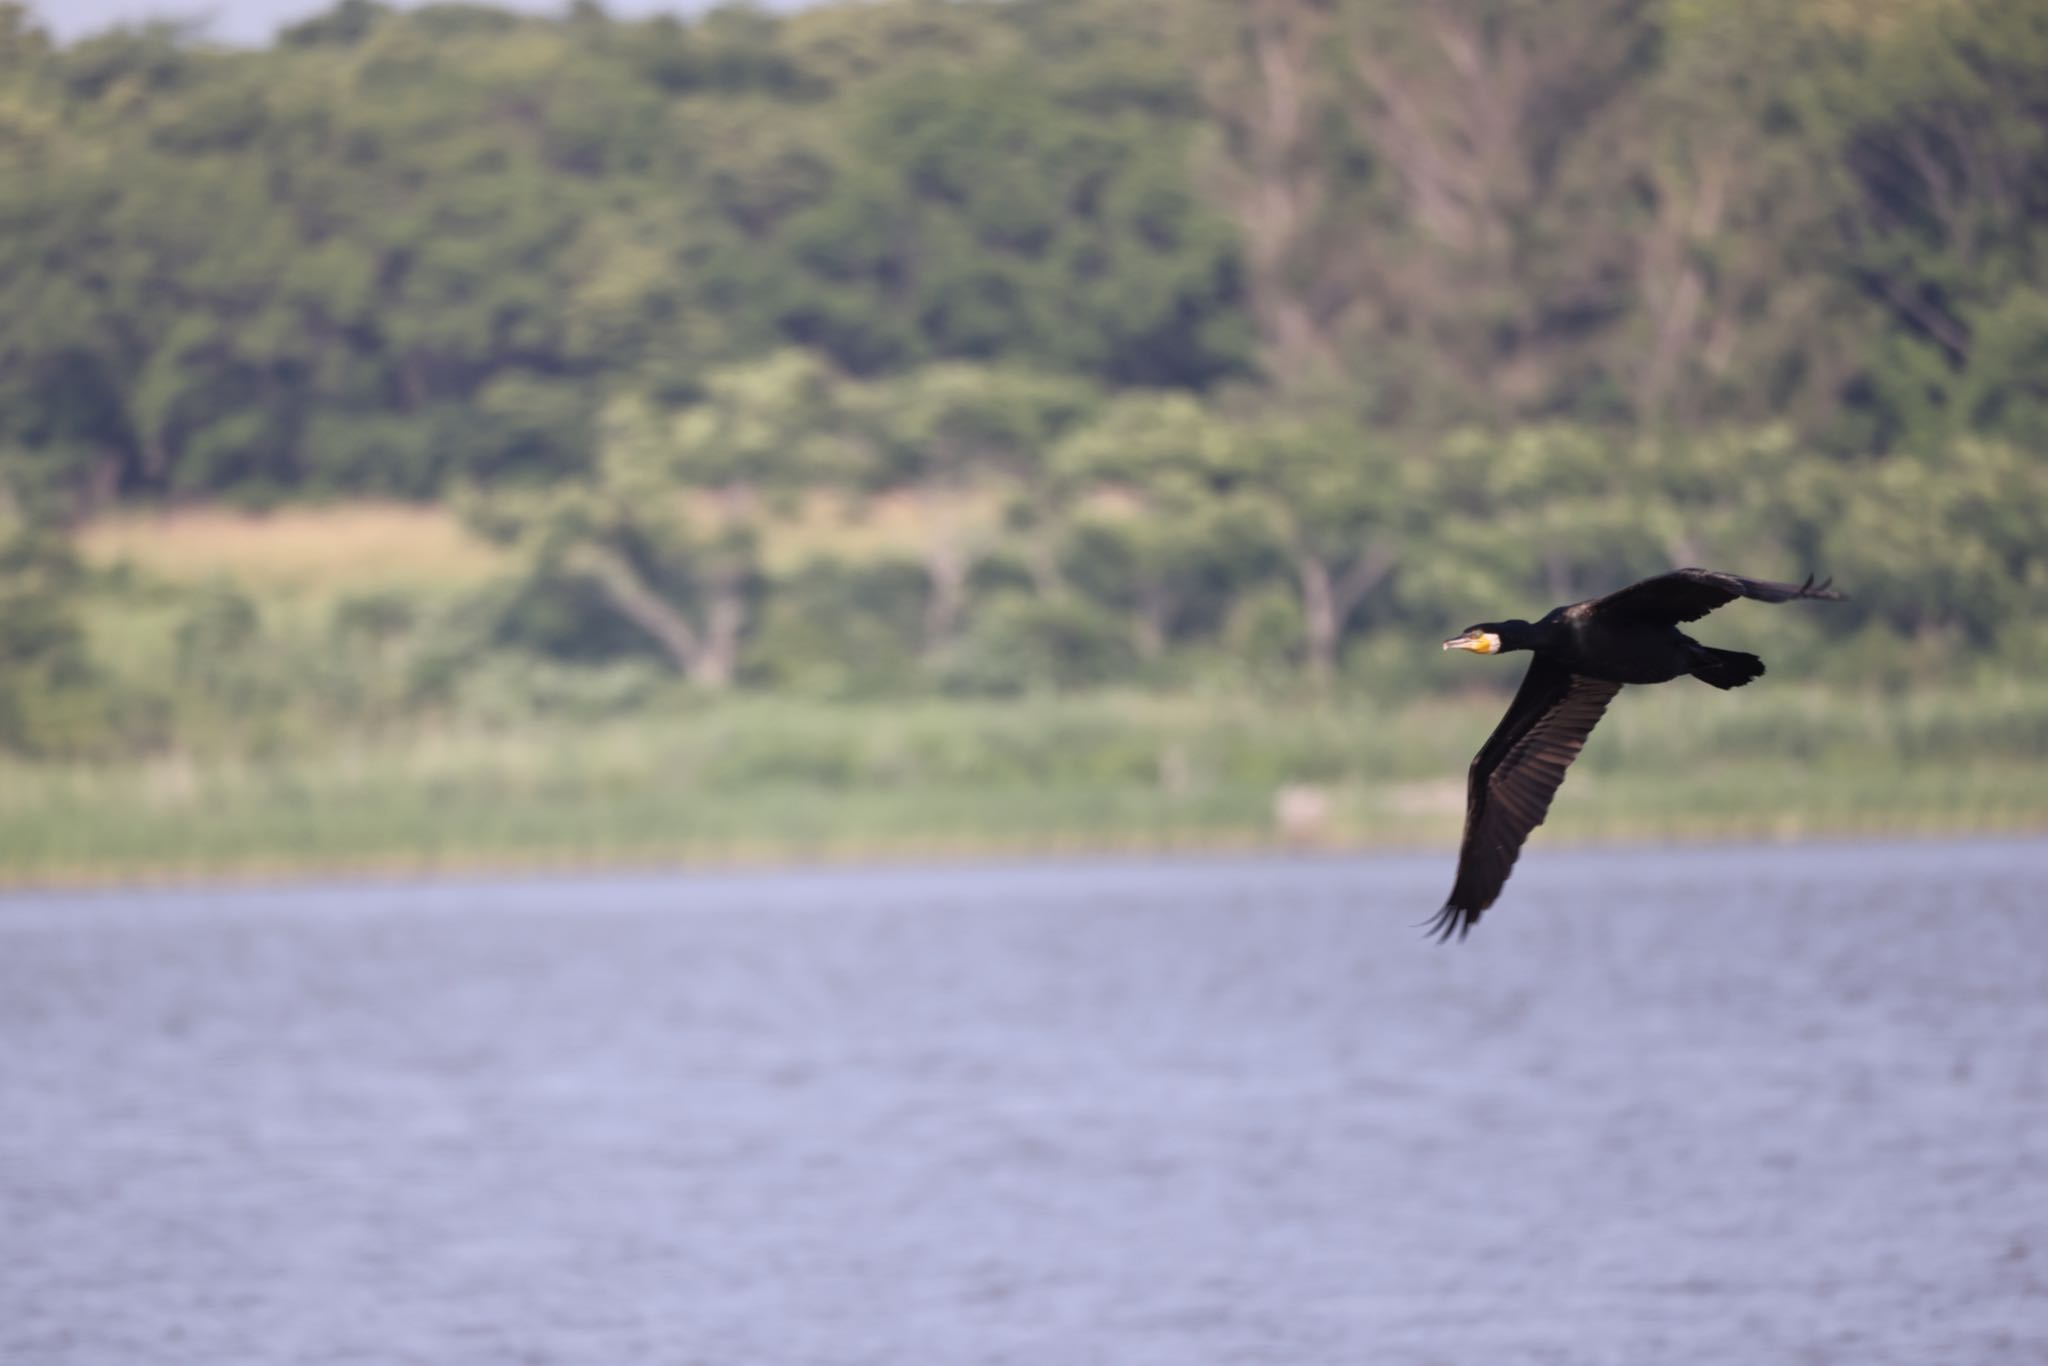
(1584, 653)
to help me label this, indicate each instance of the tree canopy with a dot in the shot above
(399, 248)
(1180, 327)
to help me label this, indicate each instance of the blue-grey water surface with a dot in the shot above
(1729, 1105)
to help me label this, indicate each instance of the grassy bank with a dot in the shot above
(768, 780)
(299, 748)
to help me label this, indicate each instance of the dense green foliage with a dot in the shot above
(1225, 344)
(402, 247)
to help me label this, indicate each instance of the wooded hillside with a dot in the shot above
(1174, 338)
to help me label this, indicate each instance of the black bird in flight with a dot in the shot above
(1584, 653)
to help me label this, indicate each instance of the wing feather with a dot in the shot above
(1689, 594)
(1512, 780)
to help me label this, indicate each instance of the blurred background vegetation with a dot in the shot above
(448, 435)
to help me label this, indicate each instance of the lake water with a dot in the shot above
(1729, 1105)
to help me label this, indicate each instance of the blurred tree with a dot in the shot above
(1273, 161)
(1939, 120)
(974, 217)
(49, 700)
(344, 24)
(669, 530)
(1436, 198)
(1025, 643)
(1154, 528)
(967, 444)
(1503, 185)
(1345, 506)
(842, 627)
(1952, 545)
(1128, 307)
(1741, 313)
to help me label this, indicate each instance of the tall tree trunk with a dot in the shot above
(1155, 612)
(1673, 287)
(1497, 126)
(1268, 98)
(719, 658)
(945, 565)
(1359, 578)
(705, 662)
(1329, 598)
(1042, 563)
(1319, 618)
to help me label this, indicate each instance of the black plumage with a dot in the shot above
(1585, 653)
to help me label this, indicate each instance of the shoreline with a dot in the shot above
(769, 857)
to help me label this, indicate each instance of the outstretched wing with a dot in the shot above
(1689, 594)
(1513, 778)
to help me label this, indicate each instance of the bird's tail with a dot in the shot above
(1725, 668)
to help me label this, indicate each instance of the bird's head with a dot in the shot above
(1492, 637)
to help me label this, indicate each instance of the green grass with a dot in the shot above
(753, 780)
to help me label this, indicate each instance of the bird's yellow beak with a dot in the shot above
(1478, 642)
